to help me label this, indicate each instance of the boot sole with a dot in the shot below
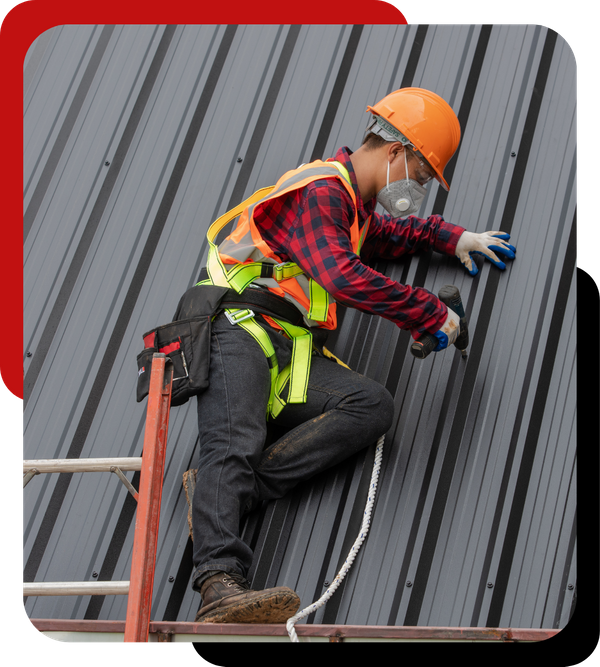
(189, 485)
(272, 607)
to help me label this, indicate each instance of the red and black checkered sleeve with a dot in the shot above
(390, 238)
(319, 242)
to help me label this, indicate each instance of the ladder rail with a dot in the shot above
(139, 603)
(151, 467)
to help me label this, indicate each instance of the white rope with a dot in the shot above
(364, 529)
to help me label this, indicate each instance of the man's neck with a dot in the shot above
(367, 165)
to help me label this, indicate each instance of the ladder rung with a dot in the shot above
(76, 588)
(82, 465)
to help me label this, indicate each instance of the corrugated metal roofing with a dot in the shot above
(132, 143)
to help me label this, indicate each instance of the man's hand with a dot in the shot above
(486, 244)
(449, 331)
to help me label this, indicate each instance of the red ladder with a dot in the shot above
(141, 583)
(152, 463)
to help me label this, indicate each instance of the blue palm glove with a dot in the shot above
(486, 244)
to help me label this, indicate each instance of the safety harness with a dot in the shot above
(239, 276)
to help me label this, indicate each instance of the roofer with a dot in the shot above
(296, 250)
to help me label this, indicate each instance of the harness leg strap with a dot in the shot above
(250, 325)
(297, 371)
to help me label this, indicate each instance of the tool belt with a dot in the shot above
(186, 340)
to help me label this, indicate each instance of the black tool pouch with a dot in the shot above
(186, 342)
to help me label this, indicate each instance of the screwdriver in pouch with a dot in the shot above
(426, 343)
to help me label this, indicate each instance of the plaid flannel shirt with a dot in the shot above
(311, 227)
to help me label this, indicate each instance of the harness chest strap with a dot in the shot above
(241, 275)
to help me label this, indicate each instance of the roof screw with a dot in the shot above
(570, 587)
(490, 584)
(408, 584)
(171, 579)
(325, 584)
(95, 575)
(106, 164)
(513, 154)
(239, 159)
(28, 354)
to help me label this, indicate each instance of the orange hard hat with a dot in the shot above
(423, 119)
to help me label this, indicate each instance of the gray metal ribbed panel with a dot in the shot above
(132, 140)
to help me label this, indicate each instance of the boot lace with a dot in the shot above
(237, 582)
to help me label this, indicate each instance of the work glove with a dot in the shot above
(486, 244)
(449, 331)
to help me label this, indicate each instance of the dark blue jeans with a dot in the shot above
(344, 413)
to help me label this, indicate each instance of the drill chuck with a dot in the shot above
(426, 343)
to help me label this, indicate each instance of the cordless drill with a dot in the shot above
(426, 343)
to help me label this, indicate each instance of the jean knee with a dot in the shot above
(376, 407)
(383, 409)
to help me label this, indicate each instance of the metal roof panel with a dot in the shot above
(475, 514)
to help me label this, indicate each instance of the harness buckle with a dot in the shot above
(283, 270)
(237, 316)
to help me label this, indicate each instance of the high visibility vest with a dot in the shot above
(244, 258)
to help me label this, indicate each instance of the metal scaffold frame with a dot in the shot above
(151, 466)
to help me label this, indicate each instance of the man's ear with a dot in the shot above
(394, 150)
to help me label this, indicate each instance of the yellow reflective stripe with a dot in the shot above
(242, 275)
(363, 234)
(342, 170)
(298, 370)
(300, 363)
(216, 269)
(219, 223)
(319, 302)
(301, 354)
(278, 402)
(214, 265)
(262, 338)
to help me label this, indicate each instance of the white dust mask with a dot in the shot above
(401, 198)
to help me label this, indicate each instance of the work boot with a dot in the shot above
(228, 598)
